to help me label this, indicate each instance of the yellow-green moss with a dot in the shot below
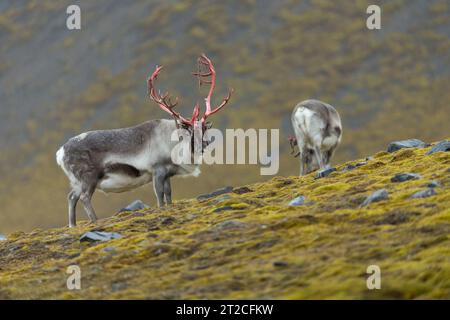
(187, 251)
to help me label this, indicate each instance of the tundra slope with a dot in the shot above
(251, 244)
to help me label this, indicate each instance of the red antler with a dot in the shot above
(165, 102)
(203, 60)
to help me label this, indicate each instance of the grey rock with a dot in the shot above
(359, 164)
(424, 194)
(135, 206)
(349, 167)
(325, 172)
(376, 196)
(410, 143)
(297, 201)
(230, 224)
(109, 249)
(401, 177)
(215, 193)
(433, 184)
(440, 146)
(222, 198)
(225, 208)
(93, 236)
(242, 190)
(2, 237)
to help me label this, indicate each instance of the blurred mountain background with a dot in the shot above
(387, 84)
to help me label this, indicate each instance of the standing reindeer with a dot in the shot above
(120, 160)
(318, 132)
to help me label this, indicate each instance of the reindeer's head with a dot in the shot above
(194, 124)
(293, 143)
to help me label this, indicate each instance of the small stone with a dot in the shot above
(222, 198)
(369, 158)
(401, 177)
(433, 184)
(109, 249)
(359, 164)
(349, 167)
(441, 146)
(225, 208)
(376, 196)
(93, 236)
(410, 143)
(242, 190)
(424, 194)
(325, 172)
(280, 264)
(2, 237)
(135, 206)
(215, 193)
(230, 224)
(297, 201)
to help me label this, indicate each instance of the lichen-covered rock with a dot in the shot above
(424, 193)
(410, 143)
(135, 206)
(441, 146)
(402, 177)
(297, 201)
(215, 193)
(433, 184)
(376, 196)
(93, 236)
(325, 172)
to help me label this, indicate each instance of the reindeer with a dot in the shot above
(120, 160)
(318, 132)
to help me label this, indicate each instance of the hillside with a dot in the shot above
(251, 244)
(55, 83)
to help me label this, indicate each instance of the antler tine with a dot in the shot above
(211, 72)
(164, 101)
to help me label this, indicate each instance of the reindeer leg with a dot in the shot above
(318, 156)
(73, 198)
(158, 185)
(168, 191)
(86, 197)
(302, 163)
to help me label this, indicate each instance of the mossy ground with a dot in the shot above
(271, 250)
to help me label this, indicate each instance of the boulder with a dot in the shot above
(424, 194)
(401, 177)
(297, 201)
(410, 143)
(324, 172)
(440, 146)
(215, 193)
(433, 184)
(94, 236)
(376, 196)
(135, 206)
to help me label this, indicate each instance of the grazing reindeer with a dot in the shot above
(123, 159)
(318, 132)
